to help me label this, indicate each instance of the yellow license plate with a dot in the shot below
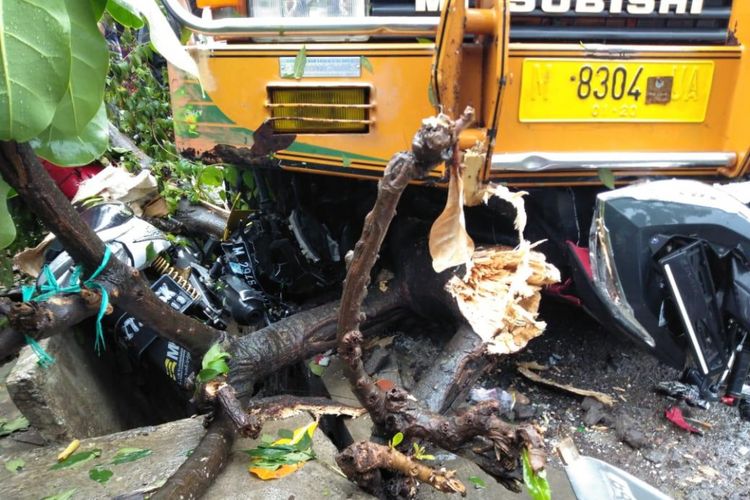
(586, 90)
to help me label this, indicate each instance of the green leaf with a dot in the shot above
(14, 465)
(213, 354)
(35, 65)
(425, 40)
(17, 424)
(219, 365)
(150, 252)
(77, 459)
(365, 62)
(478, 482)
(65, 495)
(7, 227)
(346, 162)
(207, 375)
(211, 176)
(124, 14)
(316, 369)
(536, 483)
(397, 439)
(607, 178)
(89, 64)
(98, 6)
(300, 60)
(63, 149)
(125, 455)
(100, 475)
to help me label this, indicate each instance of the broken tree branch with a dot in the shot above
(362, 459)
(298, 337)
(396, 410)
(119, 140)
(21, 169)
(195, 475)
(43, 319)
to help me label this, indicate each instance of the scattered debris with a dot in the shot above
(595, 412)
(69, 450)
(506, 399)
(674, 415)
(279, 458)
(628, 431)
(683, 392)
(534, 377)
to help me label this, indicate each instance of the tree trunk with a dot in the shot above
(21, 169)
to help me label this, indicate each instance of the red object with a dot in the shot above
(582, 256)
(69, 178)
(674, 415)
(384, 384)
(729, 400)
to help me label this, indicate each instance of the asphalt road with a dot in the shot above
(584, 354)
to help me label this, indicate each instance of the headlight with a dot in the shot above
(307, 8)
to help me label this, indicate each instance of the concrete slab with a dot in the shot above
(170, 444)
(67, 400)
(319, 478)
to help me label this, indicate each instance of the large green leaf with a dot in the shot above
(81, 149)
(90, 61)
(124, 14)
(7, 228)
(34, 65)
(98, 6)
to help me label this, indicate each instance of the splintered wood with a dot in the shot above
(500, 309)
(499, 295)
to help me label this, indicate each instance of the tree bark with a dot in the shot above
(298, 337)
(396, 410)
(119, 140)
(21, 169)
(193, 478)
(462, 362)
(43, 319)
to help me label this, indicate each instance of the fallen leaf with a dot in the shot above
(298, 434)
(100, 475)
(11, 426)
(77, 459)
(478, 482)
(268, 474)
(125, 455)
(450, 244)
(14, 465)
(65, 495)
(534, 377)
(316, 369)
(607, 178)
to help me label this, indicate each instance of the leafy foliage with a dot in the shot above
(125, 455)
(607, 178)
(421, 454)
(11, 426)
(35, 40)
(214, 364)
(77, 459)
(536, 483)
(478, 482)
(7, 228)
(396, 440)
(65, 495)
(100, 475)
(15, 464)
(275, 459)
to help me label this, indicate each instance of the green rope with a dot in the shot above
(51, 288)
(44, 359)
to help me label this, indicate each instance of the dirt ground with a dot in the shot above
(582, 353)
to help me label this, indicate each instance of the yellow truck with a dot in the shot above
(562, 88)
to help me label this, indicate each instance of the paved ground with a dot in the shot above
(716, 465)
